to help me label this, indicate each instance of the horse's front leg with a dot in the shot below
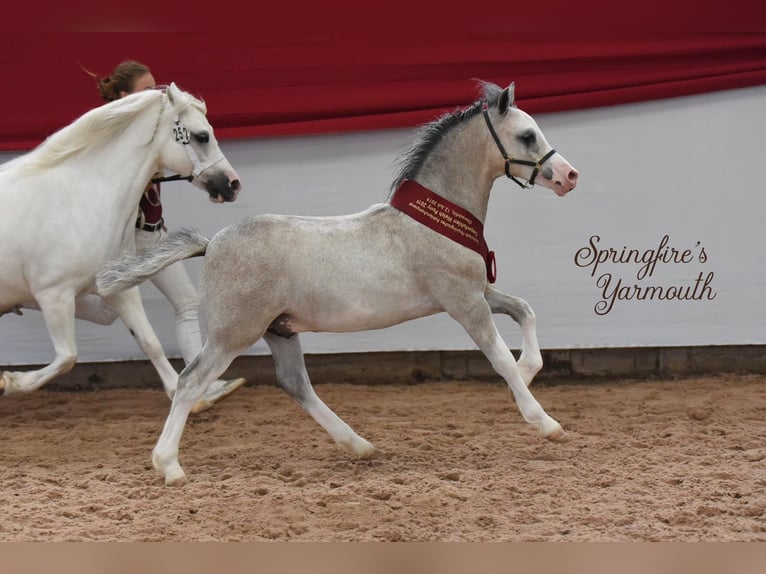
(195, 379)
(294, 380)
(58, 311)
(531, 360)
(476, 318)
(129, 306)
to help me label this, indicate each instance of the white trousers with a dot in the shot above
(174, 283)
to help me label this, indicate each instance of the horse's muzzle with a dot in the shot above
(221, 189)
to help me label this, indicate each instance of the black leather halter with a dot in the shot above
(535, 165)
(172, 178)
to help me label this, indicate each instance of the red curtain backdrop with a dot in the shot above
(340, 68)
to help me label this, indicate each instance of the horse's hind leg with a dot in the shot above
(531, 360)
(192, 384)
(58, 312)
(129, 306)
(293, 379)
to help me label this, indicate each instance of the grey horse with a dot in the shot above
(419, 253)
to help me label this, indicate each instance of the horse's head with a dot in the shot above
(524, 149)
(192, 148)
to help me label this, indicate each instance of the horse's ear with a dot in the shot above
(171, 92)
(506, 99)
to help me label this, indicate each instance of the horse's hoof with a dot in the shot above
(368, 454)
(360, 448)
(551, 430)
(201, 405)
(175, 479)
(173, 473)
(7, 385)
(558, 435)
(217, 391)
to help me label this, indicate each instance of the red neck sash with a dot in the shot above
(446, 218)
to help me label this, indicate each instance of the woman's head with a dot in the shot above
(128, 77)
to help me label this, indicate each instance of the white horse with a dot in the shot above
(421, 252)
(70, 205)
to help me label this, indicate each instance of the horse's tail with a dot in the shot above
(135, 268)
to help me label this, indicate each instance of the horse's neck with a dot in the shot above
(458, 170)
(124, 168)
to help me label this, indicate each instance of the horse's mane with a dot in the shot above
(93, 129)
(428, 136)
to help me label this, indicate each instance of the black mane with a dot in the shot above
(429, 135)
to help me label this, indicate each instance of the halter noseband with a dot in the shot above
(535, 165)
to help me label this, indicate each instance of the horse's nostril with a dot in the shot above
(573, 175)
(234, 184)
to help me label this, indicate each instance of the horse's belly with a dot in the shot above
(13, 295)
(350, 317)
(14, 288)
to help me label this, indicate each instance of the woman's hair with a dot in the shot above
(122, 79)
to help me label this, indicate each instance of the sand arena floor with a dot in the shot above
(647, 460)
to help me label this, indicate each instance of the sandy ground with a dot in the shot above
(647, 460)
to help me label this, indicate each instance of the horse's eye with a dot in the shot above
(528, 138)
(201, 137)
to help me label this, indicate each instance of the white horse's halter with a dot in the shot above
(182, 136)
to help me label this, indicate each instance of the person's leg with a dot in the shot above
(176, 286)
(174, 283)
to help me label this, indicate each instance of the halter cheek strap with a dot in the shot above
(182, 136)
(535, 165)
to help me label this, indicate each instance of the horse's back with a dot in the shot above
(261, 238)
(361, 271)
(357, 244)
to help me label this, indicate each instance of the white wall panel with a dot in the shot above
(691, 168)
